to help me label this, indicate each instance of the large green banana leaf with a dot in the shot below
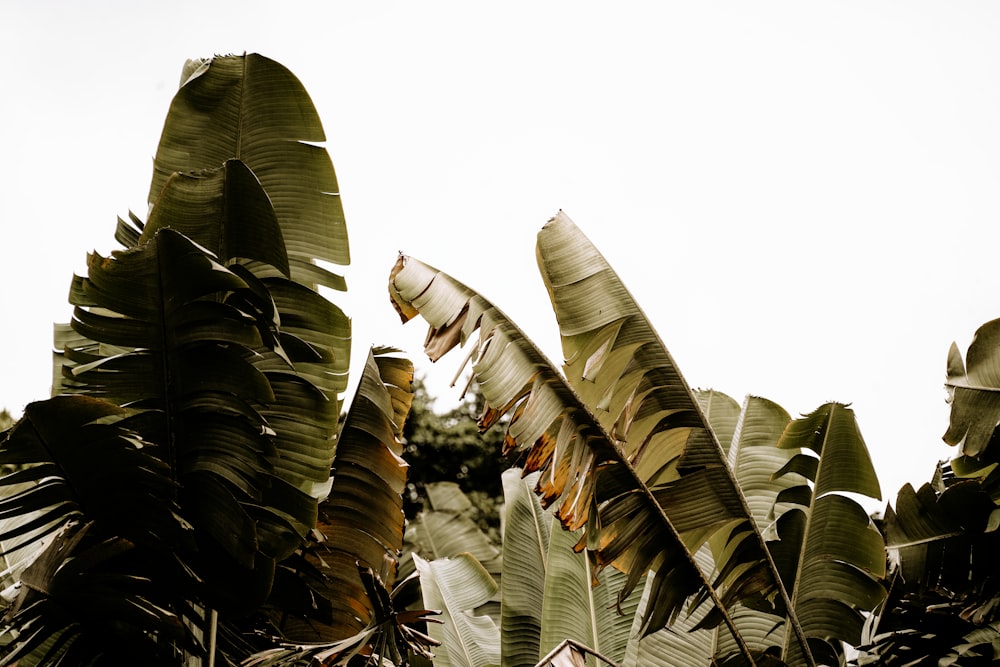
(457, 586)
(253, 109)
(581, 604)
(617, 363)
(830, 553)
(308, 338)
(584, 474)
(229, 211)
(754, 456)
(974, 392)
(548, 591)
(525, 553)
(239, 172)
(304, 339)
(210, 329)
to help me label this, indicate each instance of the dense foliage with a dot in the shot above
(189, 495)
(448, 447)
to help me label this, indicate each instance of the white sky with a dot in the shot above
(803, 197)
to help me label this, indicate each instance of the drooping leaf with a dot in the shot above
(622, 370)
(584, 475)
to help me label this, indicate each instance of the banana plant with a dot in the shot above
(624, 372)
(626, 449)
(233, 119)
(944, 596)
(584, 474)
(457, 586)
(183, 458)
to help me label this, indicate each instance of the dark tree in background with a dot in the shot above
(447, 447)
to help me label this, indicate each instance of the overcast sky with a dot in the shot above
(804, 197)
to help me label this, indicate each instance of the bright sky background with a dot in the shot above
(804, 197)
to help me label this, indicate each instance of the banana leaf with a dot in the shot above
(944, 587)
(584, 475)
(189, 327)
(335, 591)
(829, 552)
(254, 110)
(755, 458)
(581, 605)
(525, 553)
(457, 586)
(622, 370)
(722, 414)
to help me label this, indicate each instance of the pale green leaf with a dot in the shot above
(722, 413)
(580, 604)
(525, 555)
(456, 586)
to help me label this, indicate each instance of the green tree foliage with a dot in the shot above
(448, 447)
